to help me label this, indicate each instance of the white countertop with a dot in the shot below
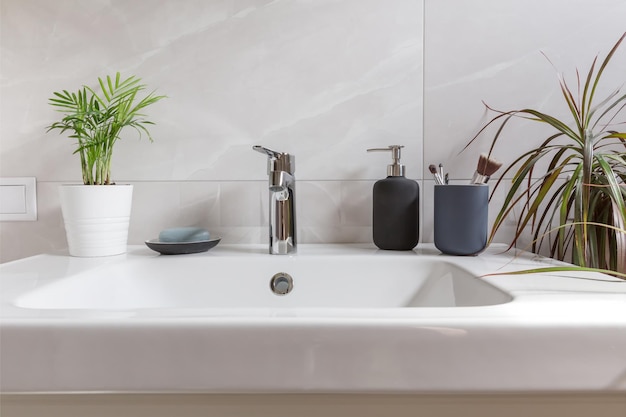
(560, 332)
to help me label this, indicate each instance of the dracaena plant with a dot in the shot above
(96, 119)
(574, 202)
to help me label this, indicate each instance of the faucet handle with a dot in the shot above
(278, 161)
(268, 152)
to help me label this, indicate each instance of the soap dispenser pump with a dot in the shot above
(395, 206)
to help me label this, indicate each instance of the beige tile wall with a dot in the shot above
(323, 80)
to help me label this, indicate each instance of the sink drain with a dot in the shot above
(281, 283)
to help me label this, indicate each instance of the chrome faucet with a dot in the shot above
(282, 191)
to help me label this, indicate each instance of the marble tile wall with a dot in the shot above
(323, 80)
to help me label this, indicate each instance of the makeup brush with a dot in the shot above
(486, 168)
(433, 170)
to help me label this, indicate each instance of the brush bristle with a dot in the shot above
(432, 168)
(487, 166)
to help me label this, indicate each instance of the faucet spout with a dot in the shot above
(282, 195)
(280, 181)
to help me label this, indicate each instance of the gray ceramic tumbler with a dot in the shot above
(461, 216)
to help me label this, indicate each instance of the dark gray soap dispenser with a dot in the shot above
(395, 206)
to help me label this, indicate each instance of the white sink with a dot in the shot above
(319, 281)
(357, 320)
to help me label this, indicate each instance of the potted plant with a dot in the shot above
(574, 202)
(96, 214)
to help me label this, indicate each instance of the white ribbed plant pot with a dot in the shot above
(96, 218)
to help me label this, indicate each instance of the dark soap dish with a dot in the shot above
(181, 248)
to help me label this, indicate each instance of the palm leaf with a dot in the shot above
(97, 118)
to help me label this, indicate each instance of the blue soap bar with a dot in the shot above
(184, 234)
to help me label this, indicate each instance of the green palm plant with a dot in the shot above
(96, 121)
(576, 205)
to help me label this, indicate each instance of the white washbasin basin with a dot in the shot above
(319, 281)
(357, 320)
